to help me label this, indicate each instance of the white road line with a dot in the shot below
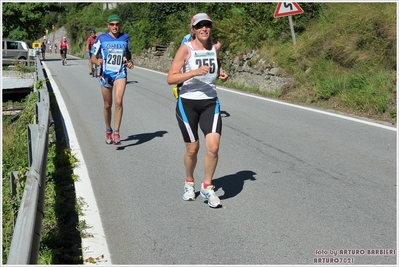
(94, 246)
(314, 110)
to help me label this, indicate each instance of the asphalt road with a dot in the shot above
(298, 186)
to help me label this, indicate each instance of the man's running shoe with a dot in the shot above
(189, 191)
(117, 138)
(209, 194)
(108, 137)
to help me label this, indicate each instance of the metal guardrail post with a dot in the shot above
(13, 178)
(24, 247)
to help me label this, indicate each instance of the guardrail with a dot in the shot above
(25, 241)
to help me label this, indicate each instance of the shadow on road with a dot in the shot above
(141, 138)
(233, 184)
(224, 114)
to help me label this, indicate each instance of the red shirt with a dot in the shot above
(63, 44)
(90, 41)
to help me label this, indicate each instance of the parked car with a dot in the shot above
(14, 51)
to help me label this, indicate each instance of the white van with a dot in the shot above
(14, 51)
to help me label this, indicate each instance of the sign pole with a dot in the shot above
(292, 29)
(288, 9)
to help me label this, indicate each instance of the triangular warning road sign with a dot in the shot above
(287, 9)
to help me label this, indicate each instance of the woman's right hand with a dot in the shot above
(203, 70)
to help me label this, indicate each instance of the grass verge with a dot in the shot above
(61, 230)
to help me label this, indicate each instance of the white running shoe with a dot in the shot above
(189, 191)
(209, 194)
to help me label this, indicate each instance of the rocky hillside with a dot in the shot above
(264, 76)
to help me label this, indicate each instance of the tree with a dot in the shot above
(24, 21)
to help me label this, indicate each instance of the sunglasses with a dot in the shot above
(114, 24)
(201, 25)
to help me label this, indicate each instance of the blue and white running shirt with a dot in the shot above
(112, 51)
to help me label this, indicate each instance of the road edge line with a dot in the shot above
(94, 244)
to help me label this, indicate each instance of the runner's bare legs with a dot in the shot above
(119, 87)
(107, 97)
(212, 142)
(190, 159)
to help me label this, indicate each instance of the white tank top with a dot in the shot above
(200, 87)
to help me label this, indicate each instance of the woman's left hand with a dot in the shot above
(223, 76)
